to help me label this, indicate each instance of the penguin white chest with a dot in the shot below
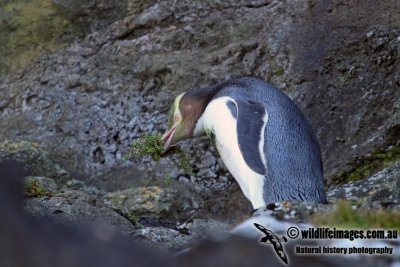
(219, 121)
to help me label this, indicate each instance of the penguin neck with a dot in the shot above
(199, 98)
(199, 129)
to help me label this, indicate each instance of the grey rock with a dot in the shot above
(95, 14)
(38, 161)
(143, 200)
(76, 208)
(183, 236)
(74, 184)
(293, 211)
(383, 186)
(162, 238)
(154, 201)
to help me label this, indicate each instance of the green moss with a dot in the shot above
(277, 69)
(148, 145)
(133, 219)
(29, 28)
(367, 166)
(33, 188)
(153, 146)
(344, 216)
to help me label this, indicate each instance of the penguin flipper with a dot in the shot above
(251, 122)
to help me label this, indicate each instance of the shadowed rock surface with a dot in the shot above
(46, 243)
(31, 242)
(86, 103)
(70, 115)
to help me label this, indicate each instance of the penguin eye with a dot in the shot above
(177, 118)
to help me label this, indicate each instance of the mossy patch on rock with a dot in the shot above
(384, 186)
(369, 165)
(350, 215)
(34, 188)
(30, 28)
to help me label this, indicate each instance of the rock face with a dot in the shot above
(32, 28)
(153, 201)
(37, 160)
(78, 109)
(88, 102)
(77, 208)
(185, 235)
(383, 186)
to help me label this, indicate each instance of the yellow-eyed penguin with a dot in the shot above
(264, 140)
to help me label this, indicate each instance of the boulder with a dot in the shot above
(76, 208)
(37, 161)
(383, 186)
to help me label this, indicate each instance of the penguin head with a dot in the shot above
(185, 116)
(177, 125)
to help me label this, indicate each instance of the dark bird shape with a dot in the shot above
(274, 240)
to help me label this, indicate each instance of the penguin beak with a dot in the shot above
(167, 138)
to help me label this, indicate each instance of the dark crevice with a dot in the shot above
(98, 155)
(133, 33)
(258, 5)
(139, 30)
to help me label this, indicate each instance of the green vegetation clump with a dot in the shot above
(153, 146)
(344, 216)
(368, 166)
(147, 145)
(33, 188)
(133, 219)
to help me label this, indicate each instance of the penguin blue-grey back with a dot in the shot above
(294, 163)
(261, 135)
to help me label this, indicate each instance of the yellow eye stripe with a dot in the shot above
(176, 105)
